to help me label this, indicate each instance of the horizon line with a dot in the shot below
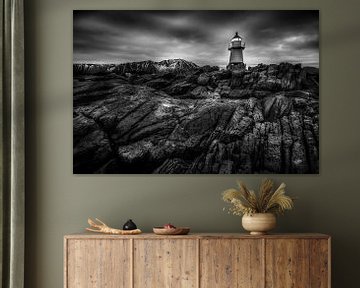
(311, 64)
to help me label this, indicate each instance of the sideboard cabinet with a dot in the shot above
(197, 261)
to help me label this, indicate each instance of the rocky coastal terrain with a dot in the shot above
(176, 117)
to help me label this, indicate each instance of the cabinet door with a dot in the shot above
(166, 263)
(98, 263)
(231, 263)
(320, 263)
(287, 263)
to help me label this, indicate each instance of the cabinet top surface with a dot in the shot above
(87, 235)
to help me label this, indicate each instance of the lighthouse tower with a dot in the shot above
(236, 47)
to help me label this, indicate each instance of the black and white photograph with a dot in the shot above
(196, 92)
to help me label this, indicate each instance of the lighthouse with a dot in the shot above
(236, 47)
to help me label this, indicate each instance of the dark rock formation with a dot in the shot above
(178, 66)
(93, 69)
(174, 117)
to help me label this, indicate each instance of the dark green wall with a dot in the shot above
(59, 202)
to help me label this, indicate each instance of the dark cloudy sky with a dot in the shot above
(198, 36)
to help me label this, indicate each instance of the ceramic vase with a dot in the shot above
(259, 223)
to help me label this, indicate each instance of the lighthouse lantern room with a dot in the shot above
(236, 47)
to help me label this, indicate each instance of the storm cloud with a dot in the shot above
(198, 36)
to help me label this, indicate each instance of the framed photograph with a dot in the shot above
(196, 92)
